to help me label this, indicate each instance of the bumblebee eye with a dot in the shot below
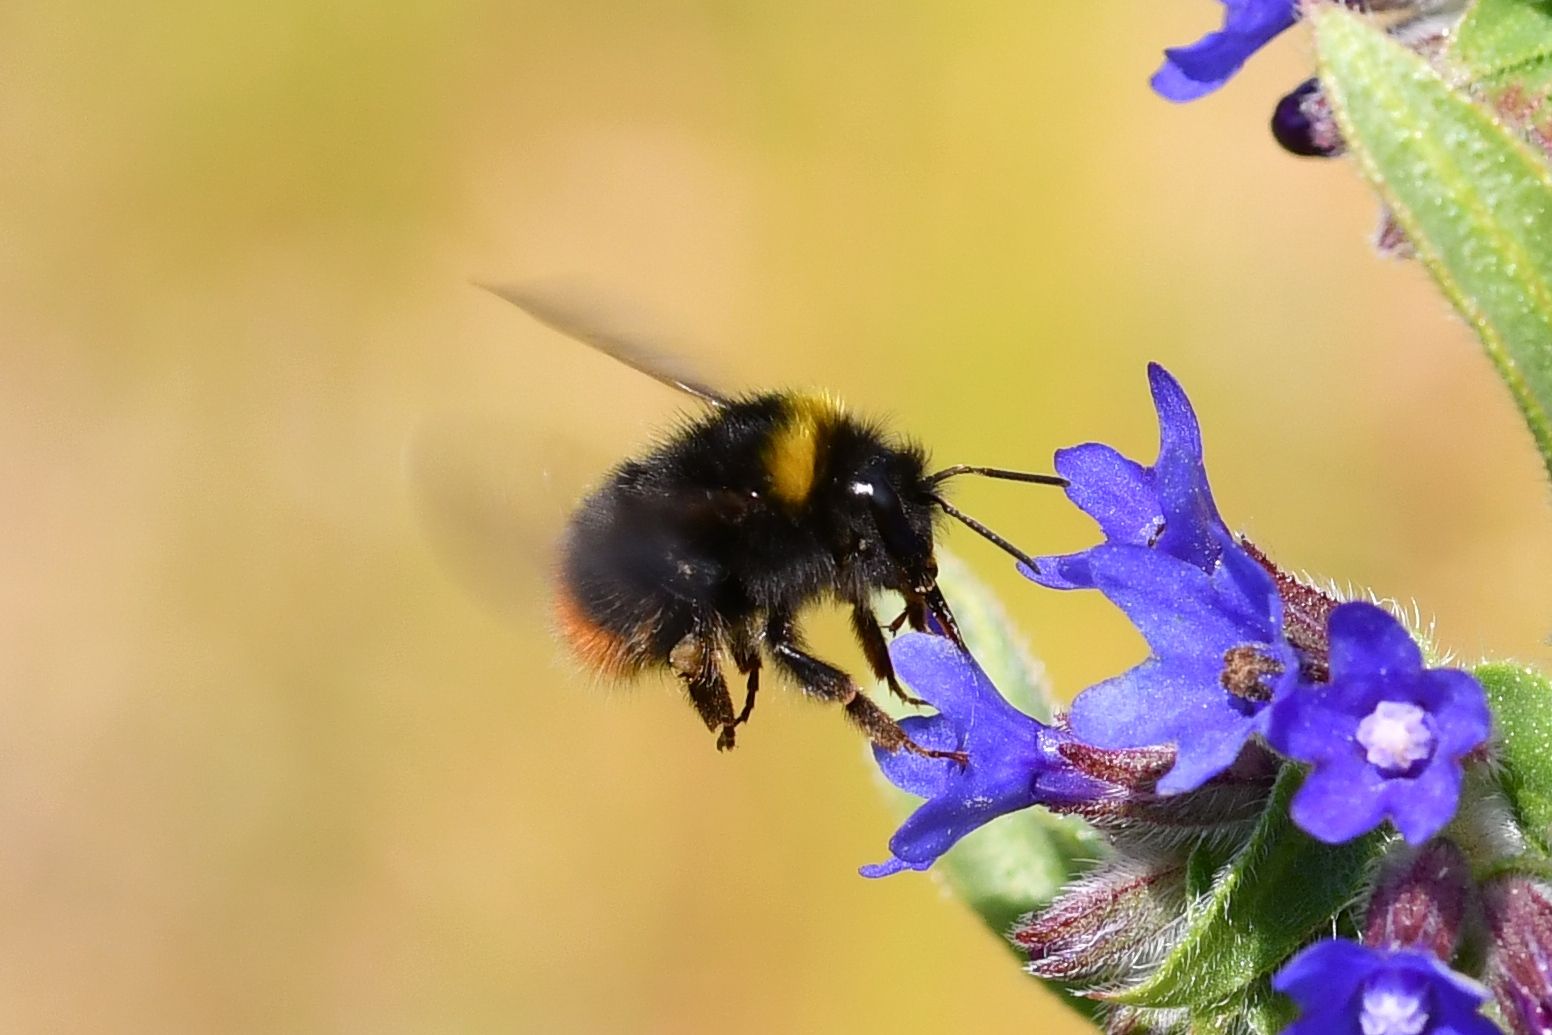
(900, 540)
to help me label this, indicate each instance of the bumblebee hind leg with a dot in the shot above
(746, 655)
(694, 661)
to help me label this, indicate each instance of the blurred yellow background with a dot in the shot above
(267, 763)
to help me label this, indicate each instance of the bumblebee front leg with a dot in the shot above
(915, 613)
(874, 647)
(694, 660)
(829, 683)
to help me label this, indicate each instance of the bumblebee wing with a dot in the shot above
(492, 498)
(575, 312)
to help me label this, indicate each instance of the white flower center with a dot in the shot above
(1391, 1011)
(1395, 735)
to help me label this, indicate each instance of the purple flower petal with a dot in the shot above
(1192, 526)
(1333, 968)
(1471, 723)
(1198, 69)
(1338, 802)
(1177, 607)
(1367, 641)
(1341, 986)
(1014, 761)
(1167, 507)
(1424, 805)
(1191, 620)
(1116, 492)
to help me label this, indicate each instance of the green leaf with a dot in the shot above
(1498, 38)
(1521, 700)
(1019, 862)
(1258, 1012)
(1474, 199)
(1282, 888)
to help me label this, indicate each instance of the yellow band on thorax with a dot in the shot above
(792, 456)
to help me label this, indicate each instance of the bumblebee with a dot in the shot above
(711, 544)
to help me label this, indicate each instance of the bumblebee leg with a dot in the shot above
(915, 612)
(865, 625)
(825, 681)
(694, 661)
(747, 657)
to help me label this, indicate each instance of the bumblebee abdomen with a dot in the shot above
(610, 652)
(631, 583)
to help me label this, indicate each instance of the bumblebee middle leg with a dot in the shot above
(865, 625)
(694, 661)
(829, 683)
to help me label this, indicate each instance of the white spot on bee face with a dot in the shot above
(861, 488)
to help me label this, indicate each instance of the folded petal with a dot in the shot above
(1116, 492)
(1192, 71)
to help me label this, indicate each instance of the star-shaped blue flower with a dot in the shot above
(1167, 507)
(1014, 760)
(1199, 69)
(1386, 736)
(1218, 659)
(1342, 986)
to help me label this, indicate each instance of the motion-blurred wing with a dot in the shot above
(492, 499)
(569, 310)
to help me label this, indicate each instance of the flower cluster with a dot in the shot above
(1249, 671)
(1385, 734)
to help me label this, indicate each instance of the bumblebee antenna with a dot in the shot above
(984, 532)
(995, 472)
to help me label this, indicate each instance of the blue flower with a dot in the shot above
(1342, 986)
(1167, 507)
(1218, 658)
(1014, 760)
(1198, 70)
(1386, 736)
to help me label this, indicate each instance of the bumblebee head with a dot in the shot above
(894, 491)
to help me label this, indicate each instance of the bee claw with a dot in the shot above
(960, 758)
(725, 738)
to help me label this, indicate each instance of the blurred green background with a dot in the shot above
(269, 763)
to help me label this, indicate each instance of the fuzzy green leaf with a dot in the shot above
(1521, 700)
(1282, 888)
(1474, 199)
(1499, 38)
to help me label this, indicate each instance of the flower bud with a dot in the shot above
(1129, 768)
(1420, 903)
(1147, 1021)
(1302, 123)
(1103, 925)
(1519, 964)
